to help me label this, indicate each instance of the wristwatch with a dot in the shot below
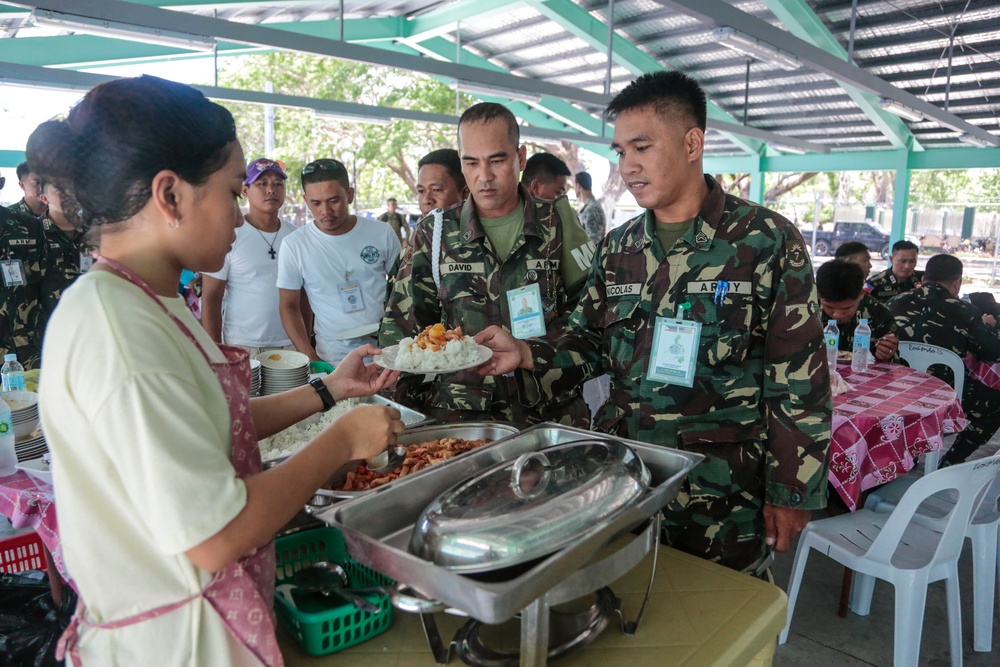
(324, 393)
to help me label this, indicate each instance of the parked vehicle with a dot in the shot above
(869, 233)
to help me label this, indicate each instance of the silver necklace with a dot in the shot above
(270, 244)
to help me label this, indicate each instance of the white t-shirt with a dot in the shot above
(319, 261)
(250, 306)
(140, 438)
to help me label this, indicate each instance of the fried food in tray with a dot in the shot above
(418, 457)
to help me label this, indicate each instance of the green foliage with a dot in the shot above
(384, 157)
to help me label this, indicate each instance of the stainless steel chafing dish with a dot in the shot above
(378, 528)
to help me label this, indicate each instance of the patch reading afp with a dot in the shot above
(543, 264)
(463, 267)
(796, 254)
(623, 289)
(710, 287)
(370, 254)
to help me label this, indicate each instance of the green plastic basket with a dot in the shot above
(323, 625)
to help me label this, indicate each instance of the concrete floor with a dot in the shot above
(820, 638)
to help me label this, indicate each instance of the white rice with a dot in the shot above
(456, 353)
(294, 438)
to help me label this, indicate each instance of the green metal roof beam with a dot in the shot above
(443, 21)
(582, 24)
(802, 21)
(937, 158)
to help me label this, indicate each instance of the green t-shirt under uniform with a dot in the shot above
(669, 232)
(503, 231)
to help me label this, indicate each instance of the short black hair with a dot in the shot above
(851, 248)
(546, 167)
(942, 269)
(326, 169)
(668, 93)
(839, 280)
(391, 199)
(23, 170)
(584, 180)
(904, 245)
(447, 158)
(487, 112)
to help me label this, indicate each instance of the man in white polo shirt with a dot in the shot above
(240, 302)
(341, 261)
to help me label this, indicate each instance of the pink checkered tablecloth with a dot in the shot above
(30, 503)
(891, 416)
(988, 374)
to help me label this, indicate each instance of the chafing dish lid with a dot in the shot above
(520, 510)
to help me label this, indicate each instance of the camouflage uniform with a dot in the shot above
(932, 315)
(474, 283)
(25, 309)
(760, 407)
(66, 249)
(879, 320)
(593, 220)
(22, 208)
(398, 224)
(884, 286)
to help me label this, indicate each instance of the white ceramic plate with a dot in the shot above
(282, 360)
(388, 360)
(37, 468)
(357, 332)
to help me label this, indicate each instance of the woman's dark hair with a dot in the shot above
(120, 135)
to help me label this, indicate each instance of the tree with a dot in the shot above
(569, 153)
(382, 157)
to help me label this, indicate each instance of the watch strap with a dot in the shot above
(324, 393)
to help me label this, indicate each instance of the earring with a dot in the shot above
(175, 224)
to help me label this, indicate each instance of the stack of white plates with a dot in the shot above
(31, 446)
(282, 370)
(254, 377)
(23, 411)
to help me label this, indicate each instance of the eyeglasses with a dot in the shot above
(264, 163)
(326, 164)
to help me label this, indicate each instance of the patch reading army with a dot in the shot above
(22, 242)
(543, 264)
(796, 254)
(463, 267)
(370, 254)
(710, 287)
(624, 289)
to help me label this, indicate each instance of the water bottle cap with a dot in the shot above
(10, 357)
(864, 320)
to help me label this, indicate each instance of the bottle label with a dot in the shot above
(862, 342)
(13, 382)
(832, 340)
(5, 427)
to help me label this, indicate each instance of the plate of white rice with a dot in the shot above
(456, 355)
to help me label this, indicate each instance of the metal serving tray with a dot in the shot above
(377, 525)
(415, 436)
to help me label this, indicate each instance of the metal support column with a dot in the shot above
(901, 198)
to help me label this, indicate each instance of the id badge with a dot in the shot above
(350, 298)
(13, 273)
(527, 319)
(86, 261)
(675, 351)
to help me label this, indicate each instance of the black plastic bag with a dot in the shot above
(30, 623)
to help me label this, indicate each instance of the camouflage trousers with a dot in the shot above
(982, 407)
(719, 513)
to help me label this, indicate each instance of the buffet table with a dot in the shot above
(699, 615)
(891, 416)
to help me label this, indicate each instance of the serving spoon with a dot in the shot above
(330, 579)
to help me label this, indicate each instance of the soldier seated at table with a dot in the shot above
(856, 252)
(900, 277)
(841, 295)
(935, 314)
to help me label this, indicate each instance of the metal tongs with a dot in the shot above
(388, 460)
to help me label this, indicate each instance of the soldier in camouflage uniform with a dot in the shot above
(591, 214)
(842, 297)
(935, 314)
(759, 407)
(30, 288)
(31, 203)
(900, 277)
(477, 265)
(71, 256)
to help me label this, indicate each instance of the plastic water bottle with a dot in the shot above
(8, 457)
(12, 373)
(831, 336)
(862, 341)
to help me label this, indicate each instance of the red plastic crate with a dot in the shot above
(22, 552)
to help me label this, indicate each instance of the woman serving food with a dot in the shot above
(166, 517)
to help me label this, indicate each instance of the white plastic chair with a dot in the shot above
(899, 550)
(983, 530)
(920, 357)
